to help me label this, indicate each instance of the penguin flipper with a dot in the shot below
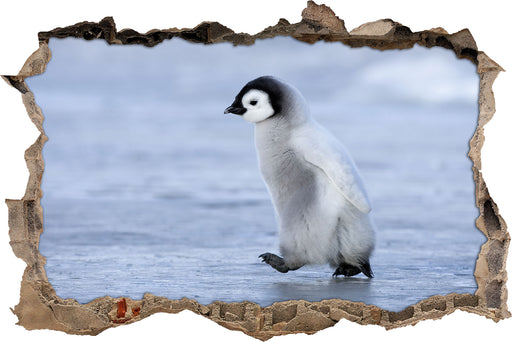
(326, 153)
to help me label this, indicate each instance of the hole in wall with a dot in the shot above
(148, 187)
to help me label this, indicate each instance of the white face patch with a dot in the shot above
(258, 106)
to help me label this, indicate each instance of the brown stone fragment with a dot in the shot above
(279, 326)
(439, 30)
(216, 31)
(229, 317)
(491, 221)
(283, 313)
(232, 311)
(376, 28)
(323, 16)
(434, 304)
(78, 317)
(337, 315)
(230, 325)
(251, 324)
(324, 309)
(33, 313)
(465, 300)
(352, 308)
(493, 293)
(121, 320)
(376, 314)
(36, 63)
(495, 256)
(186, 304)
(309, 322)
(402, 315)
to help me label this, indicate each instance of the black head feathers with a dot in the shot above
(269, 85)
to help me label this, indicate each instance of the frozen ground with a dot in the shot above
(148, 187)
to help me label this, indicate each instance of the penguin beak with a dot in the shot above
(235, 110)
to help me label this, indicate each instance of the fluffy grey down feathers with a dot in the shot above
(319, 199)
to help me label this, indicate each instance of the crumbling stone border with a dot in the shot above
(41, 308)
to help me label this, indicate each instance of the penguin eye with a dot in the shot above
(253, 102)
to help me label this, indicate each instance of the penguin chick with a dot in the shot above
(320, 203)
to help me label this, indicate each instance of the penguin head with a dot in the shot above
(258, 100)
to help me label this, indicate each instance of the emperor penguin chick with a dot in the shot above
(321, 205)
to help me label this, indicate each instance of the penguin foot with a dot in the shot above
(348, 270)
(275, 261)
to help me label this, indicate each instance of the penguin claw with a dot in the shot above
(265, 256)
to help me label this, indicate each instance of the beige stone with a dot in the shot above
(279, 326)
(337, 315)
(376, 28)
(78, 317)
(284, 313)
(309, 322)
(36, 63)
(324, 16)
